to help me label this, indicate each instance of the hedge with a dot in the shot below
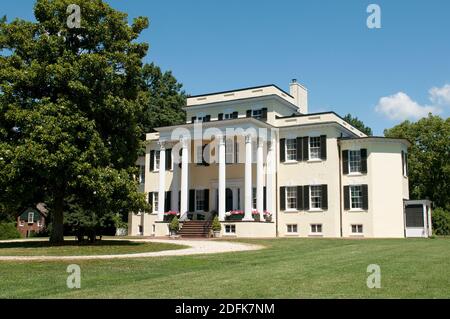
(8, 231)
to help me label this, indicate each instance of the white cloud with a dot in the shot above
(441, 95)
(400, 106)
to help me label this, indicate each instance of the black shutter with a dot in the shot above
(168, 201)
(345, 162)
(299, 197)
(264, 198)
(406, 164)
(347, 197)
(207, 118)
(363, 160)
(220, 116)
(324, 197)
(323, 147)
(365, 195)
(248, 113)
(192, 200)
(150, 198)
(193, 119)
(234, 115)
(264, 113)
(152, 161)
(168, 159)
(282, 150)
(299, 149)
(305, 148)
(403, 163)
(206, 195)
(282, 198)
(306, 197)
(179, 203)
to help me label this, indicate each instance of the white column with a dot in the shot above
(260, 179)
(235, 198)
(222, 178)
(162, 180)
(248, 178)
(184, 177)
(270, 174)
(176, 179)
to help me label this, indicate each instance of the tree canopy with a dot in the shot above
(71, 109)
(358, 124)
(428, 157)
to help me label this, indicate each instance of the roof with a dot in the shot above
(242, 89)
(401, 140)
(40, 208)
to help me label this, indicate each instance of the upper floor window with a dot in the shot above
(354, 161)
(316, 196)
(30, 217)
(227, 116)
(157, 161)
(141, 174)
(356, 197)
(155, 202)
(229, 150)
(291, 149)
(257, 114)
(314, 147)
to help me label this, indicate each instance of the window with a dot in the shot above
(227, 116)
(157, 160)
(257, 114)
(316, 228)
(314, 147)
(292, 228)
(291, 149)
(141, 174)
(356, 197)
(229, 150)
(155, 202)
(316, 196)
(199, 155)
(230, 229)
(357, 229)
(30, 217)
(199, 200)
(39, 223)
(354, 161)
(291, 198)
(254, 197)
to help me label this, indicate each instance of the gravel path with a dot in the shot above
(196, 247)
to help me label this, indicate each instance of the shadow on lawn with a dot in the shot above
(67, 243)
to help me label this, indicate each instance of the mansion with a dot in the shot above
(266, 167)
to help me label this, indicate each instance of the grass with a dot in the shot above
(73, 248)
(287, 268)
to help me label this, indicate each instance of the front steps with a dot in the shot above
(195, 229)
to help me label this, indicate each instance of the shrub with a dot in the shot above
(216, 226)
(174, 224)
(441, 221)
(8, 231)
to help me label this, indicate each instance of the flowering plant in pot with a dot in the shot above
(174, 226)
(255, 214)
(168, 216)
(234, 215)
(268, 216)
(216, 226)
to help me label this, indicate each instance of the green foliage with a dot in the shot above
(70, 112)
(216, 226)
(358, 124)
(428, 157)
(174, 224)
(8, 231)
(441, 221)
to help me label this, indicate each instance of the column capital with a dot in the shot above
(248, 138)
(221, 139)
(162, 145)
(184, 141)
(260, 142)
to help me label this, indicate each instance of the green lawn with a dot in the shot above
(72, 248)
(288, 268)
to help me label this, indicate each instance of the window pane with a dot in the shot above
(291, 197)
(199, 200)
(316, 196)
(157, 159)
(314, 147)
(291, 149)
(356, 196)
(354, 161)
(155, 202)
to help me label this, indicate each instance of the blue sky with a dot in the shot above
(382, 76)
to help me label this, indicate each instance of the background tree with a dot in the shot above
(428, 157)
(358, 124)
(70, 111)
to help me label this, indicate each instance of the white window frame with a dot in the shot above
(314, 227)
(199, 199)
(32, 217)
(317, 149)
(357, 154)
(290, 228)
(319, 188)
(230, 229)
(157, 161)
(287, 189)
(359, 229)
(360, 198)
(289, 148)
(405, 166)
(155, 203)
(141, 174)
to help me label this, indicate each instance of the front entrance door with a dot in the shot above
(228, 199)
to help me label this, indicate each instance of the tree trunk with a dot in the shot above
(57, 234)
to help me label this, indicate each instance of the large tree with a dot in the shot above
(428, 157)
(70, 110)
(358, 124)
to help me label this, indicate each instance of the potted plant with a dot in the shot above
(216, 226)
(268, 216)
(174, 226)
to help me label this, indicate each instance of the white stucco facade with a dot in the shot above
(266, 167)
